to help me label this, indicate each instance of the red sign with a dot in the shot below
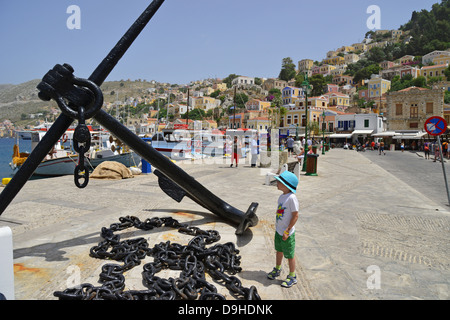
(436, 126)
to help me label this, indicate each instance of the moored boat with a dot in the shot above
(62, 161)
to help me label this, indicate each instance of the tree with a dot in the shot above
(299, 78)
(318, 82)
(195, 114)
(287, 70)
(447, 73)
(366, 72)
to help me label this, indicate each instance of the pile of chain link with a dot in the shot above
(220, 261)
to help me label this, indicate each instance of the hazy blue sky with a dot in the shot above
(187, 39)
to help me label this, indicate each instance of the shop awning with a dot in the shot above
(384, 134)
(362, 132)
(340, 136)
(410, 136)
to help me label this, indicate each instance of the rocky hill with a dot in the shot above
(16, 100)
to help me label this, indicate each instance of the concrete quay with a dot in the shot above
(362, 233)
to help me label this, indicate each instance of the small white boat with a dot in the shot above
(175, 144)
(62, 161)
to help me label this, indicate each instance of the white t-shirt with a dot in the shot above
(287, 203)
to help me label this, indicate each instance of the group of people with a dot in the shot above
(235, 147)
(433, 148)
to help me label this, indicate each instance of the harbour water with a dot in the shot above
(6, 151)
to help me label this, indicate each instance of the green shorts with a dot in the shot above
(287, 247)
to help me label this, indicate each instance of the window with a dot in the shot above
(398, 109)
(414, 112)
(413, 125)
(429, 107)
(366, 123)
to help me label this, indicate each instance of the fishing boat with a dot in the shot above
(61, 160)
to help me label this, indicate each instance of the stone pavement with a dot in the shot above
(362, 233)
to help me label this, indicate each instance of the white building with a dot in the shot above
(428, 58)
(358, 126)
(243, 81)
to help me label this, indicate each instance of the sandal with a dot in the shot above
(289, 282)
(274, 274)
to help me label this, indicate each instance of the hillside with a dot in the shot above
(23, 98)
(430, 30)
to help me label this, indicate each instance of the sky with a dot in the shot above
(186, 40)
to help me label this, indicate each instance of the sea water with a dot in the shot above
(6, 152)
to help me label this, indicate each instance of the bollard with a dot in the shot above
(146, 167)
(6, 265)
(311, 165)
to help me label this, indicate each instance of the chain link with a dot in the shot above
(220, 261)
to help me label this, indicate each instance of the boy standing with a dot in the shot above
(286, 217)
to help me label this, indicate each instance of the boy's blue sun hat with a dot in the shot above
(289, 179)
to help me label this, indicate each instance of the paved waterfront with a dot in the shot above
(362, 232)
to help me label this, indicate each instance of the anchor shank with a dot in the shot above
(193, 188)
(107, 65)
(34, 159)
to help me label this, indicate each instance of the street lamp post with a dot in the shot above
(307, 88)
(323, 129)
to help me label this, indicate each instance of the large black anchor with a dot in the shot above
(82, 99)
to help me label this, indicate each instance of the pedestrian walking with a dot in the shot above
(426, 150)
(381, 148)
(444, 148)
(402, 146)
(286, 217)
(236, 149)
(437, 155)
(290, 146)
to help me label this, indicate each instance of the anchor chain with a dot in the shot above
(81, 144)
(194, 260)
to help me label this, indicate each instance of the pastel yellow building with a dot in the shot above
(326, 69)
(345, 49)
(360, 47)
(305, 65)
(351, 58)
(315, 102)
(205, 103)
(443, 59)
(258, 105)
(434, 71)
(378, 86)
(336, 60)
(295, 115)
(338, 99)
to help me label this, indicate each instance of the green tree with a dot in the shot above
(366, 72)
(447, 73)
(287, 69)
(299, 78)
(318, 82)
(195, 114)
